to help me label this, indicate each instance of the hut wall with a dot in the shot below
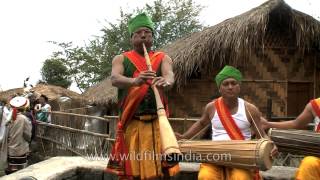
(191, 99)
(283, 75)
(265, 77)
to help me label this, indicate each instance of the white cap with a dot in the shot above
(19, 102)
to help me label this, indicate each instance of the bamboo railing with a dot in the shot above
(67, 139)
(67, 135)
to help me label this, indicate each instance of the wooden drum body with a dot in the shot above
(247, 154)
(301, 142)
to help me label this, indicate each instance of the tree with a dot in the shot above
(92, 63)
(54, 72)
(173, 19)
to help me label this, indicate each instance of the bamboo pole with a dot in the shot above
(75, 130)
(61, 144)
(87, 107)
(80, 115)
(171, 119)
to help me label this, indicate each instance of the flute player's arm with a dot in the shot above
(121, 81)
(167, 78)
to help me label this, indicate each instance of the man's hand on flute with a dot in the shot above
(160, 82)
(143, 77)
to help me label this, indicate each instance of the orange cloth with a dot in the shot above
(309, 169)
(142, 138)
(143, 141)
(213, 172)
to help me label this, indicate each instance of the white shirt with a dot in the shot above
(241, 120)
(47, 108)
(6, 116)
(44, 109)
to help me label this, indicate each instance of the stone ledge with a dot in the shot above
(279, 173)
(57, 168)
(70, 168)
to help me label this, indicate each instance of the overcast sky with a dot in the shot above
(28, 25)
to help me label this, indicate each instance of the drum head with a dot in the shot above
(264, 159)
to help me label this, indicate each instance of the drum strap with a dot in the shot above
(227, 121)
(254, 123)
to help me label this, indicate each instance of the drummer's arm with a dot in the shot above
(255, 119)
(199, 125)
(301, 122)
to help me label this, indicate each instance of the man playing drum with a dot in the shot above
(310, 166)
(232, 118)
(138, 127)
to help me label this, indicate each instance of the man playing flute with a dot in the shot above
(138, 127)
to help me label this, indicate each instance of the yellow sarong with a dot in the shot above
(309, 169)
(213, 172)
(142, 138)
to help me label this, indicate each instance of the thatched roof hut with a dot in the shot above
(5, 95)
(102, 93)
(103, 96)
(236, 39)
(53, 93)
(276, 47)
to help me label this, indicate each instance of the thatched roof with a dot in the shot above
(51, 91)
(54, 92)
(5, 95)
(101, 93)
(232, 40)
(228, 42)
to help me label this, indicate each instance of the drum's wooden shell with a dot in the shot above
(301, 142)
(246, 154)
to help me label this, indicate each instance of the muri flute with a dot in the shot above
(169, 142)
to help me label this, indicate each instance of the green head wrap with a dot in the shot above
(228, 72)
(141, 20)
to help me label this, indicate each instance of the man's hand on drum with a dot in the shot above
(143, 77)
(178, 135)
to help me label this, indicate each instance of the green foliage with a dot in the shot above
(90, 64)
(173, 20)
(54, 72)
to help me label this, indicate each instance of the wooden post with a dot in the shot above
(269, 108)
(112, 127)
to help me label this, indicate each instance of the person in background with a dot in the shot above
(5, 116)
(18, 135)
(43, 109)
